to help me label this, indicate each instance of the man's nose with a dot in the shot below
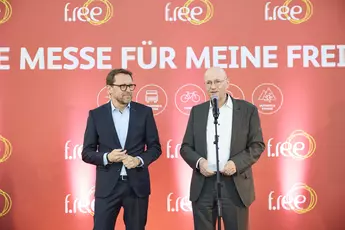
(213, 86)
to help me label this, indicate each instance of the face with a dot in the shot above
(216, 82)
(122, 89)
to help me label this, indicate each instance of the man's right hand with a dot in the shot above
(203, 167)
(117, 155)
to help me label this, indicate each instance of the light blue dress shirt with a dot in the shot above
(121, 122)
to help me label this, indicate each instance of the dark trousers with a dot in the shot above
(107, 209)
(234, 213)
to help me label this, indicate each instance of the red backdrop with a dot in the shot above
(287, 58)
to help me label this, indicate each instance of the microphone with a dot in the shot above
(214, 100)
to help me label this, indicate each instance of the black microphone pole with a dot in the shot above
(218, 187)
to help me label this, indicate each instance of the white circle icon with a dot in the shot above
(236, 92)
(268, 98)
(153, 96)
(188, 96)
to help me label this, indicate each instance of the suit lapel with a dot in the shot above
(131, 124)
(203, 124)
(110, 121)
(236, 124)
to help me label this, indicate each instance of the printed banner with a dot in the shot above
(287, 57)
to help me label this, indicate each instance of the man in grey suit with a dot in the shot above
(240, 146)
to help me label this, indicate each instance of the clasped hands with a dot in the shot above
(119, 155)
(229, 168)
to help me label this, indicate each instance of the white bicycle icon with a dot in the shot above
(190, 96)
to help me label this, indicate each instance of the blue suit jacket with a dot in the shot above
(142, 140)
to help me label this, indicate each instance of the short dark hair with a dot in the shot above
(111, 75)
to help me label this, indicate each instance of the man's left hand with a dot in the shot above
(131, 162)
(229, 168)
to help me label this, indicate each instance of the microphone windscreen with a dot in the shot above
(214, 97)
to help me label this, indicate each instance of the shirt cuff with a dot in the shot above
(197, 163)
(142, 162)
(105, 160)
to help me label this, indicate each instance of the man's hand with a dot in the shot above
(131, 162)
(229, 168)
(203, 166)
(117, 155)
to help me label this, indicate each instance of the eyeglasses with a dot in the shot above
(217, 83)
(124, 87)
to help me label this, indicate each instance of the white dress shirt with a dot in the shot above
(224, 130)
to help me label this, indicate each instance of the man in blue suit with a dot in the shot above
(121, 139)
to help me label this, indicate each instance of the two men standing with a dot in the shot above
(122, 140)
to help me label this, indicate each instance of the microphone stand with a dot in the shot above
(218, 188)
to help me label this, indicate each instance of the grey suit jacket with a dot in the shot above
(246, 146)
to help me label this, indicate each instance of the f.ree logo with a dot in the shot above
(5, 11)
(290, 11)
(5, 149)
(299, 145)
(178, 203)
(91, 12)
(84, 205)
(196, 12)
(7, 204)
(300, 198)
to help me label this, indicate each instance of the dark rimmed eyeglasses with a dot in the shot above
(124, 87)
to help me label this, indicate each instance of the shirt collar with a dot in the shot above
(228, 102)
(114, 108)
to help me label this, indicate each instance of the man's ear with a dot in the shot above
(109, 89)
(227, 83)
